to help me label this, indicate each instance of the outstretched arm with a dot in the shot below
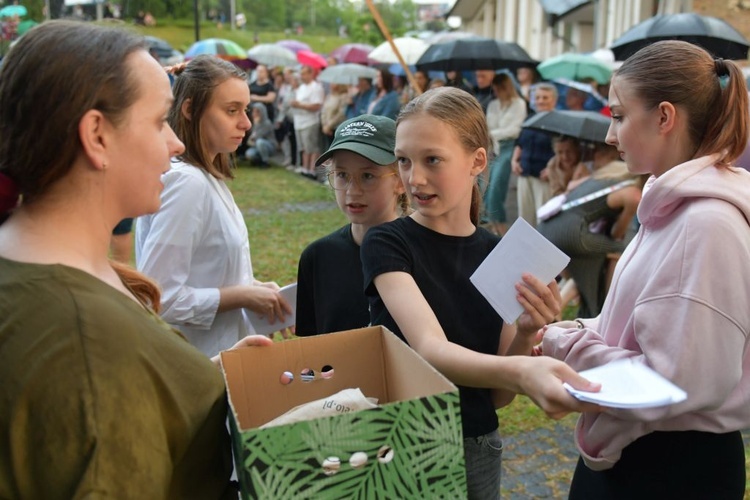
(540, 378)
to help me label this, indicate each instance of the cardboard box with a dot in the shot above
(411, 446)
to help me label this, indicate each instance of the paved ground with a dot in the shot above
(540, 464)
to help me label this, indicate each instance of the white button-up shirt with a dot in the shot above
(195, 244)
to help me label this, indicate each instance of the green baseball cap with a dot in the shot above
(371, 136)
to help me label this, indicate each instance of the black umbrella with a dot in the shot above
(715, 35)
(474, 53)
(583, 125)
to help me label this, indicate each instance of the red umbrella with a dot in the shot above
(352, 53)
(309, 58)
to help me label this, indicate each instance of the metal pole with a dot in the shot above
(387, 34)
(196, 20)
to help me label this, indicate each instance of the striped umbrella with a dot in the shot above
(220, 47)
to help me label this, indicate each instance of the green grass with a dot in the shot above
(284, 213)
(182, 35)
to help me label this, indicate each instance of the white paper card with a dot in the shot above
(628, 384)
(262, 326)
(521, 250)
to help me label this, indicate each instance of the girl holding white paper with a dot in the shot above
(679, 298)
(417, 271)
(196, 246)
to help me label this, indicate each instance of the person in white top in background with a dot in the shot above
(196, 246)
(505, 114)
(284, 120)
(306, 109)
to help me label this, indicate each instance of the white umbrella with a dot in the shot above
(271, 54)
(346, 74)
(410, 48)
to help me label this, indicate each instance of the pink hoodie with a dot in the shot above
(679, 303)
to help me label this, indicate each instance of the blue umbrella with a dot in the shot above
(594, 102)
(13, 10)
(396, 69)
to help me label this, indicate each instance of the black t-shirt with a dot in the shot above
(261, 90)
(330, 290)
(441, 266)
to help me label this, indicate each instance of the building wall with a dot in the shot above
(524, 22)
(735, 12)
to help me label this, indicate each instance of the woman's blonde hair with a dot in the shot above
(505, 82)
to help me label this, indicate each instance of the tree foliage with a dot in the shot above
(316, 16)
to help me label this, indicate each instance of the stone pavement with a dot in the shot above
(540, 464)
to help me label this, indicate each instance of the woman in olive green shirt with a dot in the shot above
(98, 397)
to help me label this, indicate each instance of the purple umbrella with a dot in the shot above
(352, 53)
(294, 45)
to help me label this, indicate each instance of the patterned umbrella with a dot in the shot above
(352, 53)
(294, 45)
(220, 47)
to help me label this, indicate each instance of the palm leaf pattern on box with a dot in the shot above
(424, 434)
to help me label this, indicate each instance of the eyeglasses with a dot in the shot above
(341, 181)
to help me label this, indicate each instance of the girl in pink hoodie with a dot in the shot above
(679, 301)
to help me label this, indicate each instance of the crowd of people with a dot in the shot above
(308, 113)
(111, 379)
